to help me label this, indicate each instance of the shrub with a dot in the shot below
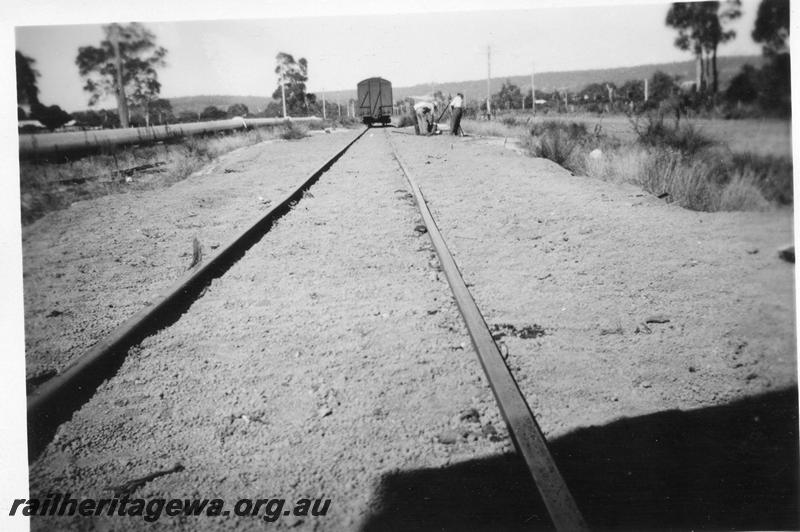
(679, 164)
(566, 143)
(772, 174)
(654, 132)
(513, 121)
(349, 121)
(575, 130)
(686, 180)
(710, 181)
(316, 125)
(293, 131)
(405, 120)
(52, 117)
(740, 194)
(559, 147)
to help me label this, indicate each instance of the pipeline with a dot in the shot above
(75, 142)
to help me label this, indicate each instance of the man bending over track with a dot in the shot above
(424, 114)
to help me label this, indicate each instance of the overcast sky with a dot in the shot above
(236, 57)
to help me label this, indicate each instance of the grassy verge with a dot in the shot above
(711, 181)
(678, 163)
(45, 187)
(495, 128)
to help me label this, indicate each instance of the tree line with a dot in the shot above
(125, 65)
(702, 27)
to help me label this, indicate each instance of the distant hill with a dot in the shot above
(196, 104)
(573, 81)
(546, 81)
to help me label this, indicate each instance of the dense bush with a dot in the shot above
(575, 130)
(566, 143)
(558, 146)
(213, 113)
(51, 117)
(679, 164)
(293, 131)
(405, 120)
(346, 121)
(772, 175)
(655, 132)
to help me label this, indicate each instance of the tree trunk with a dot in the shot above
(699, 70)
(715, 85)
(122, 103)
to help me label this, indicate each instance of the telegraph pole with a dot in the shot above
(645, 89)
(533, 90)
(122, 102)
(489, 82)
(323, 106)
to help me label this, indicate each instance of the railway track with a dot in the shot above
(53, 402)
(172, 324)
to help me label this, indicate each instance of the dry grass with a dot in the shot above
(740, 194)
(704, 183)
(493, 128)
(653, 130)
(567, 143)
(759, 136)
(46, 187)
(683, 165)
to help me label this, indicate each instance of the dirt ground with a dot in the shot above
(655, 346)
(89, 267)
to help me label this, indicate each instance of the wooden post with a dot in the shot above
(489, 82)
(645, 89)
(324, 117)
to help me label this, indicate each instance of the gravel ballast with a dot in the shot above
(655, 346)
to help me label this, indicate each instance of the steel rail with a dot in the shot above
(54, 401)
(522, 426)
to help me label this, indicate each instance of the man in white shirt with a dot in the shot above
(457, 109)
(423, 112)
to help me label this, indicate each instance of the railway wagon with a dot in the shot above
(374, 101)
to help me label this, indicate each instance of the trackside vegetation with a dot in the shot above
(676, 162)
(46, 186)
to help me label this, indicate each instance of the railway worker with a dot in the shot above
(456, 110)
(424, 113)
